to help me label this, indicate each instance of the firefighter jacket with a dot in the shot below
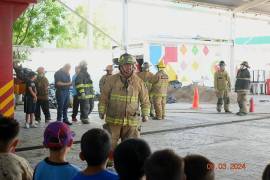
(121, 98)
(160, 83)
(42, 85)
(242, 83)
(146, 76)
(84, 85)
(102, 82)
(222, 81)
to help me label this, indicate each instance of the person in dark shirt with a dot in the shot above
(198, 167)
(130, 157)
(42, 85)
(30, 100)
(164, 164)
(95, 149)
(62, 84)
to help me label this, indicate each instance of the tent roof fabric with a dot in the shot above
(237, 6)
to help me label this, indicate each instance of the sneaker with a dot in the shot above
(74, 120)
(27, 126)
(67, 122)
(218, 110)
(227, 111)
(33, 125)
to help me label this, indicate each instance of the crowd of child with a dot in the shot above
(133, 158)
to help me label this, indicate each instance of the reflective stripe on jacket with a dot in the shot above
(160, 83)
(121, 100)
(84, 86)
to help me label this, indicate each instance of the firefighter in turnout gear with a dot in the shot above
(147, 76)
(109, 70)
(160, 82)
(242, 87)
(84, 86)
(120, 101)
(222, 85)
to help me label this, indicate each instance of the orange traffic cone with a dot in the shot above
(251, 105)
(195, 104)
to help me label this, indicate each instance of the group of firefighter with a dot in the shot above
(127, 98)
(222, 85)
(123, 93)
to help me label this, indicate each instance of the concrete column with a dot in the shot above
(125, 26)
(232, 49)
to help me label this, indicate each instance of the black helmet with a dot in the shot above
(245, 63)
(222, 63)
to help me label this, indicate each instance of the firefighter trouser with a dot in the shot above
(242, 101)
(152, 109)
(223, 96)
(75, 107)
(159, 105)
(119, 132)
(91, 103)
(84, 108)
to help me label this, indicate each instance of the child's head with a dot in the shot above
(32, 75)
(95, 147)
(164, 164)
(58, 136)
(9, 130)
(129, 158)
(266, 173)
(197, 168)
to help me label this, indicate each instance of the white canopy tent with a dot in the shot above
(253, 9)
(236, 6)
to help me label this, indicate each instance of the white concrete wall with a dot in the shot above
(54, 59)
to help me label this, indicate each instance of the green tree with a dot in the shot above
(100, 41)
(42, 22)
(49, 21)
(76, 33)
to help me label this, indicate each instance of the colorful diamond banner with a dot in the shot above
(205, 50)
(184, 79)
(184, 65)
(195, 50)
(183, 49)
(195, 66)
(155, 52)
(170, 54)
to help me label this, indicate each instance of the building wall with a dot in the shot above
(54, 59)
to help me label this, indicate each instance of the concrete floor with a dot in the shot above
(223, 138)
